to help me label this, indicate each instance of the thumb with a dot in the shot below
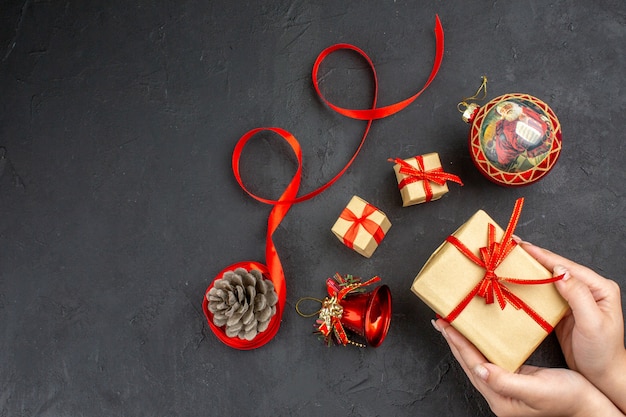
(507, 384)
(579, 297)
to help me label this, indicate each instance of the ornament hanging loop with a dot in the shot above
(480, 94)
(306, 315)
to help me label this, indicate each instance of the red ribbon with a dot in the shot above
(378, 112)
(419, 173)
(361, 221)
(289, 197)
(491, 286)
(336, 327)
(337, 294)
(370, 115)
(274, 269)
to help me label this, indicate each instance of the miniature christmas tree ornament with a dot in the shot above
(514, 140)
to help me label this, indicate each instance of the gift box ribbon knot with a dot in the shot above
(491, 286)
(419, 173)
(361, 221)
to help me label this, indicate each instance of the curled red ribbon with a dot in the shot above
(361, 221)
(274, 270)
(491, 286)
(378, 112)
(436, 175)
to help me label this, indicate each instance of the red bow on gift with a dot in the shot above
(491, 287)
(369, 225)
(331, 312)
(419, 173)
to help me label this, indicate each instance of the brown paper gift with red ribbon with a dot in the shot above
(520, 305)
(422, 179)
(361, 226)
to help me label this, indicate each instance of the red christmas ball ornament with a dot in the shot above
(514, 140)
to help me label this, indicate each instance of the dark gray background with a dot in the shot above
(118, 205)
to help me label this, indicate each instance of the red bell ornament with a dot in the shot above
(351, 308)
(514, 140)
(368, 314)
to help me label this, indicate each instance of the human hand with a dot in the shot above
(531, 392)
(592, 333)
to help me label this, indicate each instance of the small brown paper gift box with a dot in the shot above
(508, 336)
(361, 226)
(415, 190)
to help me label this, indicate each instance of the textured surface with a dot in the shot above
(118, 205)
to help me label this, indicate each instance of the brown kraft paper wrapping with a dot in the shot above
(507, 337)
(415, 193)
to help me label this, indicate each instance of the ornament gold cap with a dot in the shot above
(468, 108)
(469, 112)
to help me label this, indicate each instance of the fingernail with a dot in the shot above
(441, 330)
(519, 240)
(444, 333)
(481, 372)
(434, 323)
(561, 270)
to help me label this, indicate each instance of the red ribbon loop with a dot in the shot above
(369, 115)
(274, 269)
(377, 112)
(361, 221)
(491, 286)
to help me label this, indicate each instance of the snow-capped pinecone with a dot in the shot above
(242, 301)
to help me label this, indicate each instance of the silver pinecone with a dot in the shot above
(242, 301)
